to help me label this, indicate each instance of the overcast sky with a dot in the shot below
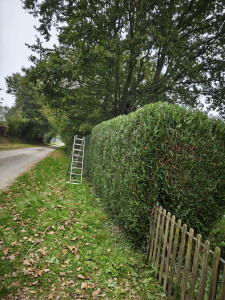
(16, 29)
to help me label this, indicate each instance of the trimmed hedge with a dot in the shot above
(162, 154)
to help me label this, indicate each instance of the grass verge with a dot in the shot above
(57, 242)
(9, 145)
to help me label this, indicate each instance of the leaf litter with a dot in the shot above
(73, 255)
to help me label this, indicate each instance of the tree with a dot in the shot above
(115, 56)
(26, 119)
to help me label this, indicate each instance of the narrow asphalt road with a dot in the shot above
(15, 162)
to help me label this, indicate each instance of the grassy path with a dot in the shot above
(56, 242)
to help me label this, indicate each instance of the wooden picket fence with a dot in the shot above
(184, 266)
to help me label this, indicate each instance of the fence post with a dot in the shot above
(152, 234)
(195, 266)
(173, 258)
(169, 252)
(150, 231)
(164, 246)
(160, 243)
(156, 234)
(204, 271)
(180, 257)
(215, 268)
(222, 295)
(187, 262)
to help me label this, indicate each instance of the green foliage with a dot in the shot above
(115, 56)
(161, 154)
(26, 119)
(217, 236)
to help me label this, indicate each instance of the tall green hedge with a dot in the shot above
(161, 154)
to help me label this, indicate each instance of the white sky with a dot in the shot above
(16, 29)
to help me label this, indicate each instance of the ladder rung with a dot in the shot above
(79, 139)
(75, 174)
(78, 149)
(76, 168)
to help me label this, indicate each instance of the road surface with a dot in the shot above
(15, 162)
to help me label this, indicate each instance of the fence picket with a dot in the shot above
(195, 266)
(204, 271)
(169, 252)
(187, 262)
(152, 233)
(156, 235)
(160, 243)
(164, 246)
(215, 268)
(174, 252)
(222, 294)
(180, 257)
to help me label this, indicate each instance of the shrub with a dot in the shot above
(162, 154)
(217, 236)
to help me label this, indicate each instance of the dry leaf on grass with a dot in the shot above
(95, 293)
(80, 276)
(51, 295)
(5, 251)
(64, 251)
(86, 285)
(27, 262)
(51, 232)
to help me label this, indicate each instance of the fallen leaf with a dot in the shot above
(12, 258)
(32, 292)
(39, 272)
(41, 290)
(14, 243)
(78, 269)
(95, 293)
(84, 285)
(46, 270)
(35, 282)
(80, 276)
(62, 273)
(27, 262)
(15, 283)
(5, 251)
(51, 295)
(51, 232)
(108, 251)
(64, 251)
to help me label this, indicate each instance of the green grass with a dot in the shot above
(13, 146)
(46, 254)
